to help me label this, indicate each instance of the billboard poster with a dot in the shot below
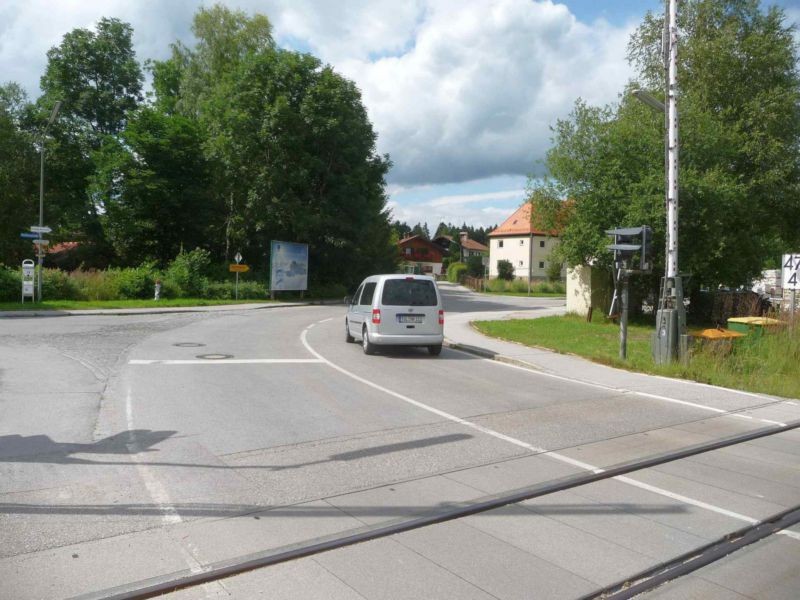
(288, 266)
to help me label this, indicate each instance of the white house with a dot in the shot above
(518, 242)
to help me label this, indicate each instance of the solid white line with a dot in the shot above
(555, 455)
(226, 361)
(160, 496)
(157, 491)
(325, 320)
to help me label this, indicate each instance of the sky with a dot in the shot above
(462, 93)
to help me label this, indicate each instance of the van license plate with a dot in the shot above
(410, 318)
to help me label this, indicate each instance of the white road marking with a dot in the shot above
(634, 392)
(325, 320)
(157, 491)
(554, 455)
(225, 361)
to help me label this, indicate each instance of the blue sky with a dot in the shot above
(462, 93)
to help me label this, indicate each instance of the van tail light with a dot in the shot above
(376, 316)
(441, 317)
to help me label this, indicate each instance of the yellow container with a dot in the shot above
(753, 325)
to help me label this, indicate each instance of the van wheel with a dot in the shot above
(369, 347)
(435, 350)
(347, 337)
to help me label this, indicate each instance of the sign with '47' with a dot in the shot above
(791, 271)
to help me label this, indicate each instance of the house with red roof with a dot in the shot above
(422, 255)
(526, 247)
(470, 247)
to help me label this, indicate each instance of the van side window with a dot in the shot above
(357, 295)
(369, 292)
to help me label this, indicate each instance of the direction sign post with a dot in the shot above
(237, 268)
(790, 276)
(238, 259)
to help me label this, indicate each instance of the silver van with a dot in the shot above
(396, 310)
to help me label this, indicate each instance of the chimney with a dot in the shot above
(462, 236)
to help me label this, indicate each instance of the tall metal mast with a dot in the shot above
(672, 167)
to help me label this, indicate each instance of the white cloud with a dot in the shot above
(457, 90)
(478, 210)
(462, 199)
(476, 94)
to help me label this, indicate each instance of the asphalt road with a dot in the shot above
(136, 446)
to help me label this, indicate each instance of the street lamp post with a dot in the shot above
(40, 248)
(669, 340)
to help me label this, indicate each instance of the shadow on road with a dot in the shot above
(42, 449)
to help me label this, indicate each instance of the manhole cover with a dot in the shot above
(188, 345)
(214, 356)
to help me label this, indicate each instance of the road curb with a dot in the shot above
(489, 354)
(109, 312)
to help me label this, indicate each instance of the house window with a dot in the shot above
(520, 263)
(541, 244)
(541, 265)
(500, 243)
(522, 242)
(408, 251)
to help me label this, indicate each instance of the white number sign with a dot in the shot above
(791, 271)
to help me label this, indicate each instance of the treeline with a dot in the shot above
(479, 234)
(239, 143)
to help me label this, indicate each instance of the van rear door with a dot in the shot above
(409, 305)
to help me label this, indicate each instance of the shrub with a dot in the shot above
(455, 270)
(475, 266)
(505, 270)
(226, 290)
(170, 289)
(189, 272)
(10, 284)
(138, 282)
(58, 285)
(553, 269)
(95, 285)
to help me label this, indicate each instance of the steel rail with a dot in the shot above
(159, 585)
(693, 560)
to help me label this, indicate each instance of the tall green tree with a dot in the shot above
(95, 75)
(291, 149)
(158, 179)
(739, 106)
(18, 176)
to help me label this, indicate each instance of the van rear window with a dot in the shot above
(408, 292)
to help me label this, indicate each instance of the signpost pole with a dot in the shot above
(623, 319)
(237, 285)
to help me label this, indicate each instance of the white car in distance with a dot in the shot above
(396, 310)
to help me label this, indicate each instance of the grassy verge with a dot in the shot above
(767, 364)
(95, 304)
(532, 294)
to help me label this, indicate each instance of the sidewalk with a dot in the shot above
(460, 335)
(10, 314)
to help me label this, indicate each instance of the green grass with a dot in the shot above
(767, 364)
(95, 304)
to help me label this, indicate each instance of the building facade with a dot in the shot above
(526, 248)
(421, 256)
